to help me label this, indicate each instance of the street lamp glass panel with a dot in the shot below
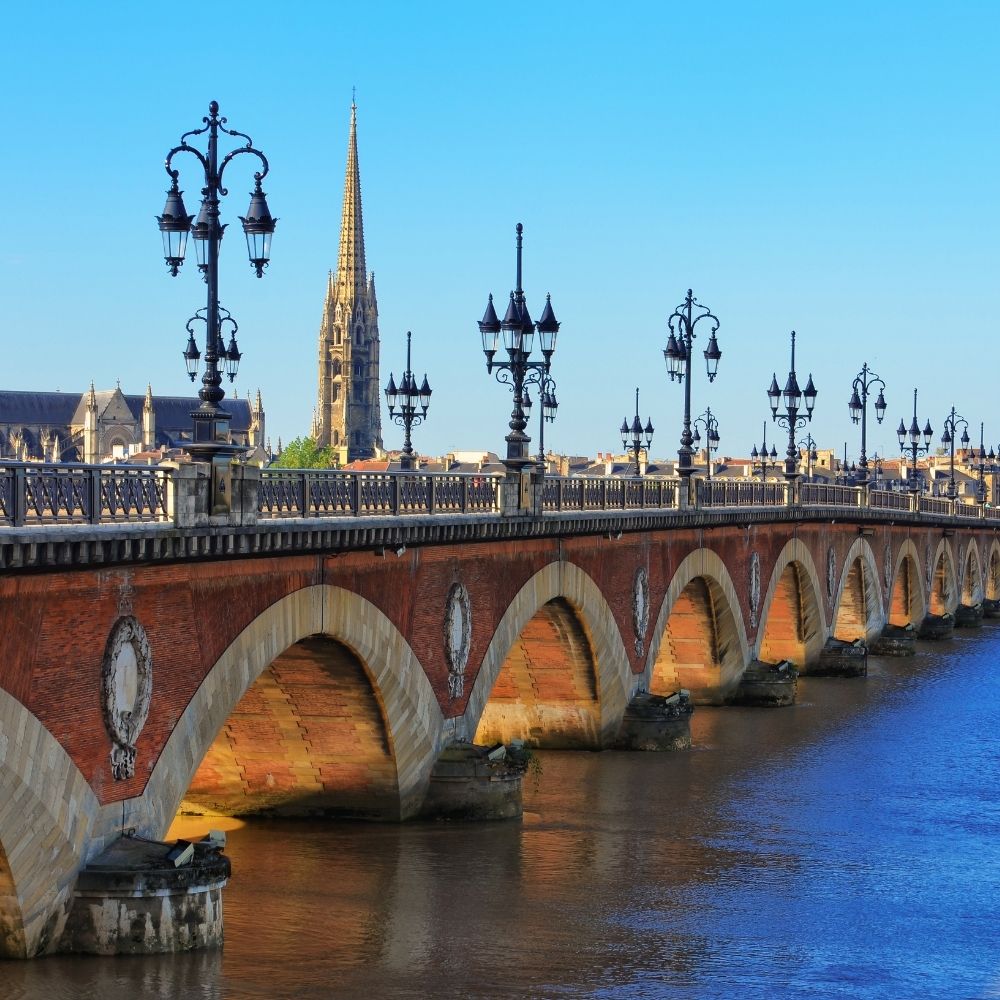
(526, 402)
(712, 356)
(548, 328)
(946, 436)
(774, 394)
(713, 436)
(854, 405)
(258, 225)
(391, 393)
(233, 356)
(928, 434)
(901, 434)
(623, 430)
(489, 329)
(672, 356)
(880, 405)
(425, 393)
(792, 393)
(810, 395)
(649, 432)
(511, 326)
(191, 357)
(965, 439)
(175, 224)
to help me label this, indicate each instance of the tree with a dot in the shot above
(302, 453)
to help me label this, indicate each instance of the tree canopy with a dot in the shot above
(303, 453)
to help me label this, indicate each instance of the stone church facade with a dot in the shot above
(101, 426)
(348, 411)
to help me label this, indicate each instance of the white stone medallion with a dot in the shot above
(640, 609)
(831, 573)
(126, 690)
(754, 589)
(457, 638)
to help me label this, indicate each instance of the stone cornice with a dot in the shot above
(86, 546)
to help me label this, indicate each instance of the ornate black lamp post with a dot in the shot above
(711, 424)
(809, 446)
(677, 354)
(981, 467)
(549, 405)
(909, 441)
(518, 340)
(409, 399)
(865, 381)
(211, 422)
(951, 423)
(632, 437)
(792, 396)
(762, 461)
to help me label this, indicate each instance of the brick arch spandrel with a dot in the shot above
(615, 682)
(411, 712)
(48, 802)
(858, 608)
(731, 649)
(810, 619)
(907, 574)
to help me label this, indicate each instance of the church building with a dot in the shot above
(104, 425)
(348, 411)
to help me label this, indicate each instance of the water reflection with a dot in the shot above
(846, 847)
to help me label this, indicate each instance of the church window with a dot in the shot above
(359, 334)
(335, 395)
(359, 370)
(337, 367)
(359, 392)
(336, 439)
(337, 336)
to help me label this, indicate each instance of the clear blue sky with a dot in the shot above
(831, 168)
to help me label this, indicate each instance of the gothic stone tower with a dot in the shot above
(348, 412)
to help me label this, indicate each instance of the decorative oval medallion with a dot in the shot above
(457, 638)
(640, 608)
(126, 691)
(831, 573)
(754, 589)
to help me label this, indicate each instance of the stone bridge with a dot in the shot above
(284, 658)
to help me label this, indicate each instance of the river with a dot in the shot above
(848, 847)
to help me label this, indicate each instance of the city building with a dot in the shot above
(348, 409)
(107, 425)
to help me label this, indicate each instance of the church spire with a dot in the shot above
(351, 271)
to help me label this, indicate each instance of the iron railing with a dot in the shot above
(33, 493)
(741, 493)
(322, 493)
(607, 493)
(51, 494)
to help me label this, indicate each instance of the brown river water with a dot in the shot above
(848, 847)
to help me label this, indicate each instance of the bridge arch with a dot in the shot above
(410, 711)
(972, 576)
(45, 800)
(793, 623)
(943, 593)
(699, 641)
(992, 581)
(857, 610)
(563, 601)
(907, 597)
